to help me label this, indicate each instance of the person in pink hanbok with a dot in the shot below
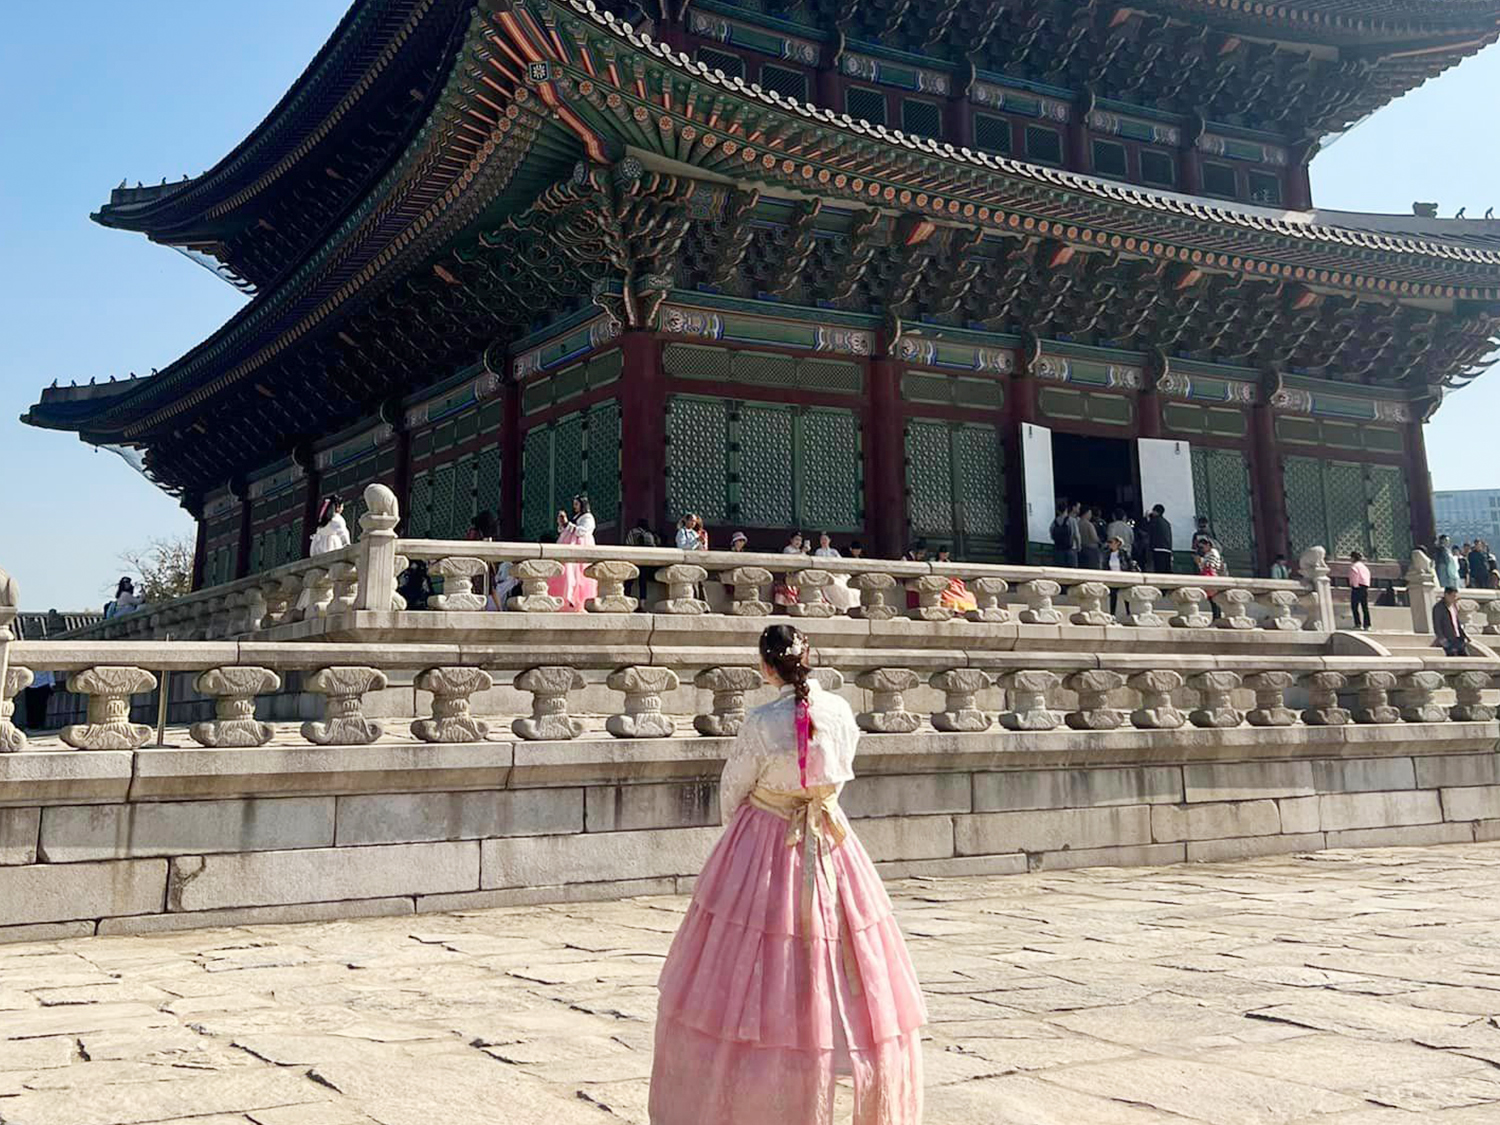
(789, 970)
(572, 586)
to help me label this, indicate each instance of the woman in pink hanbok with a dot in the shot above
(789, 971)
(572, 586)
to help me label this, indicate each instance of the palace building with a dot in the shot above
(884, 268)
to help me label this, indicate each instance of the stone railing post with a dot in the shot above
(451, 719)
(810, 585)
(10, 606)
(1039, 608)
(317, 584)
(1468, 615)
(1468, 688)
(1314, 567)
(377, 550)
(829, 679)
(961, 710)
(1189, 601)
(888, 713)
(234, 689)
(1279, 606)
(1156, 711)
(278, 600)
(1323, 709)
(549, 686)
(643, 687)
(533, 574)
(1373, 698)
(987, 591)
(109, 690)
(1026, 700)
(343, 689)
(1142, 602)
(1234, 608)
(1092, 688)
(611, 575)
(745, 584)
(458, 574)
(345, 586)
(1416, 697)
(1270, 690)
(1492, 617)
(729, 686)
(1091, 598)
(929, 591)
(13, 682)
(252, 613)
(1422, 592)
(1216, 709)
(682, 580)
(873, 590)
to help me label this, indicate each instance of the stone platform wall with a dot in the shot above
(114, 842)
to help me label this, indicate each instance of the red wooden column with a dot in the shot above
(1419, 488)
(1021, 408)
(510, 460)
(242, 548)
(643, 429)
(200, 548)
(395, 416)
(1268, 499)
(885, 460)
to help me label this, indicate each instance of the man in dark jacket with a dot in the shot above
(1479, 566)
(1447, 626)
(1159, 532)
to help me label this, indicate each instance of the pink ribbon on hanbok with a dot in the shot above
(804, 737)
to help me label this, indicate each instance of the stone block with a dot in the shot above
(1402, 836)
(18, 833)
(72, 833)
(907, 795)
(397, 818)
(46, 892)
(1363, 775)
(1485, 831)
(1439, 770)
(1476, 802)
(955, 868)
(47, 931)
(626, 808)
(212, 882)
(1247, 781)
(1214, 821)
(1141, 855)
(1341, 811)
(1052, 830)
(1014, 790)
(64, 777)
(1299, 815)
(1246, 847)
(899, 838)
(593, 857)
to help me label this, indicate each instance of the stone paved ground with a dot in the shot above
(1346, 988)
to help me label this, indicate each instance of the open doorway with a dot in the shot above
(1096, 472)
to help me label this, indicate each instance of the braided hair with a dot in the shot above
(787, 652)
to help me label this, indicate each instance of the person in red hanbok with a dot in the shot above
(789, 970)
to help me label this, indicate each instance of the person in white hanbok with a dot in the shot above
(837, 594)
(574, 587)
(332, 533)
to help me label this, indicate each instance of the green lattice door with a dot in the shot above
(766, 468)
(1345, 506)
(698, 458)
(604, 462)
(1221, 489)
(829, 477)
(955, 487)
(538, 517)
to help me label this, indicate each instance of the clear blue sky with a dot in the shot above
(104, 91)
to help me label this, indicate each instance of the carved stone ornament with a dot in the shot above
(1190, 614)
(1323, 708)
(810, 585)
(611, 575)
(1216, 709)
(1142, 602)
(1418, 704)
(1092, 688)
(888, 713)
(344, 722)
(929, 591)
(961, 710)
(643, 687)
(745, 584)
(109, 690)
(1039, 609)
(874, 589)
(829, 679)
(1468, 689)
(549, 686)
(987, 592)
(533, 575)
(17, 680)
(234, 689)
(458, 575)
(1026, 695)
(682, 581)
(1279, 605)
(1374, 701)
(345, 586)
(1270, 690)
(1234, 608)
(729, 686)
(1156, 711)
(1492, 617)
(1091, 599)
(451, 719)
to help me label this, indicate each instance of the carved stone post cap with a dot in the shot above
(873, 580)
(458, 566)
(1472, 679)
(1161, 680)
(1041, 588)
(290, 586)
(813, 578)
(346, 680)
(1094, 679)
(681, 574)
(1238, 596)
(383, 511)
(1030, 680)
(1287, 598)
(535, 570)
(1187, 595)
(1271, 680)
(1217, 680)
(1093, 589)
(10, 598)
(237, 680)
(17, 680)
(964, 681)
(1142, 594)
(1420, 681)
(1382, 681)
(989, 585)
(111, 680)
(1313, 563)
(927, 584)
(643, 678)
(612, 570)
(1420, 571)
(888, 679)
(728, 679)
(747, 576)
(549, 679)
(343, 571)
(454, 681)
(830, 678)
(1327, 681)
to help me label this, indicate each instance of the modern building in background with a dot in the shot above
(881, 268)
(1468, 514)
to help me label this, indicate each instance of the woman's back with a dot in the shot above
(765, 753)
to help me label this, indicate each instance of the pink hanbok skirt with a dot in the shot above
(756, 1022)
(572, 586)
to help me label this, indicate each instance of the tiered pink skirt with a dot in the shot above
(755, 1023)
